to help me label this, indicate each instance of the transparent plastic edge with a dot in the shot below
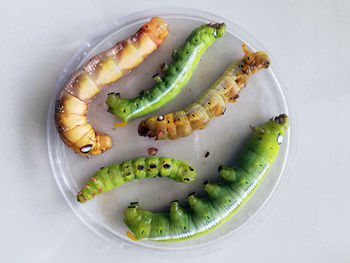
(267, 205)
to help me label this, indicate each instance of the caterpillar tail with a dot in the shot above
(120, 107)
(131, 236)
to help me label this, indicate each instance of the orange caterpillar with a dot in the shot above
(100, 71)
(212, 103)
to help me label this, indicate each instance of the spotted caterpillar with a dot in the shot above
(211, 103)
(100, 71)
(115, 175)
(224, 199)
(177, 74)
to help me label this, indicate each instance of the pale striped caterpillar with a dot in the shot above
(210, 104)
(115, 175)
(100, 71)
(177, 74)
(224, 199)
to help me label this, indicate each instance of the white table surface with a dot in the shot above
(310, 41)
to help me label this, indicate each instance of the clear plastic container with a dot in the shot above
(223, 138)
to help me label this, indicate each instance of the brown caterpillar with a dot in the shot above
(100, 71)
(211, 103)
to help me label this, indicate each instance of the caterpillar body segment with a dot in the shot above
(100, 71)
(223, 200)
(176, 75)
(115, 175)
(211, 104)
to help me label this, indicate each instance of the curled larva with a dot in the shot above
(100, 71)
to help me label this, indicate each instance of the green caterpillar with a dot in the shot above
(223, 200)
(177, 74)
(115, 175)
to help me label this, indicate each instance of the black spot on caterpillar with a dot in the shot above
(223, 199)
(115, 175)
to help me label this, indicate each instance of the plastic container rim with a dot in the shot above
(282, 181)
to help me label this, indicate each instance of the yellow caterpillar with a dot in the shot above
(100, 71)
(211, 103)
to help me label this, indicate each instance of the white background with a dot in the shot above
(310, 41)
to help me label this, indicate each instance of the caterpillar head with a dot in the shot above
(185, 173)
(273, 130)
(281, 123)
(218, 29)
(103, 143)
(156, 29)
(144, 129)
(256, 60)
(118, 106)
(138, 221)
